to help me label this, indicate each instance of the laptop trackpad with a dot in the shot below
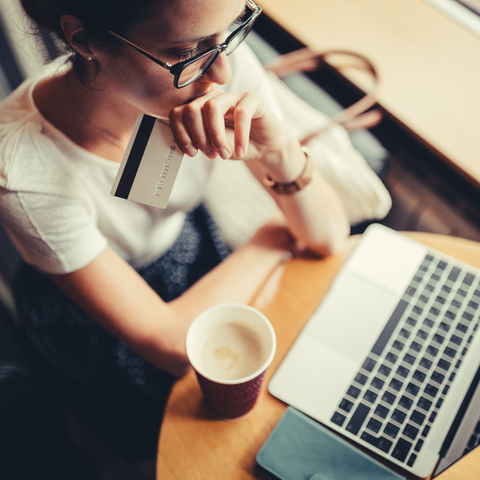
(351, 317)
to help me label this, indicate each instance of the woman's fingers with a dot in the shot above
(214, 112)
(181, 135)
(204, 123)
(187, 126)
(242, 117)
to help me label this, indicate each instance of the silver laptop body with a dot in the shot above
(390, 357)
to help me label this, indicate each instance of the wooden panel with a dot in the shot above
(429, 65)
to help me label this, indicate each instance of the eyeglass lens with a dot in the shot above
(238, 39)
(196, 69)
(190, 73)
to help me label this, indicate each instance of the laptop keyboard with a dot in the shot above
(397, 394)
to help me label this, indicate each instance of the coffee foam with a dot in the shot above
(231, 351)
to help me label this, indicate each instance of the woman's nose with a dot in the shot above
(219, 71)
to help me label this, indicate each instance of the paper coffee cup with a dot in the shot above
(230, 347)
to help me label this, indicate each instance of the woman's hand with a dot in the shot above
(228, 124)
(240, 126)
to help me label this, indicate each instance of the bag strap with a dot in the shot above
(351, 118)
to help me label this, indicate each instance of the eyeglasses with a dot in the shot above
(188, 71)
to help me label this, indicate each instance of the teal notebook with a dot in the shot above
(301, 449)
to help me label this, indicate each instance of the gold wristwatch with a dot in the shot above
(301, 182)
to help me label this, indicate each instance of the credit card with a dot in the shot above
(150, 164)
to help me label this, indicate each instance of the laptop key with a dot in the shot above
(438, 377)
(381, 443)
(419, 376)
(419, 445)
(443, 364)
(432, 351)
(358, 419)
(422, 335)
(361, 379)
(391, 357)
(398, 416)
(401, 449)
(346, 405)
(456, 339)
(389, 327)
(409, 359)
(353, 391)
(442, 265)
(454, 274)
(377, 383)
(411, 460)
(369, 364)
(370, 396)
(381, 411)
(427, 323)
(384, 370)
(425, 404)
(450, 352)
(396, 384)
(412, 389)
(391, 430)
(389, 398)
(431, 390)
(461, 328)
(338, 419)
(405, 402)
(415, 346)
(417, 417)
(374, 425)
(410, 431)
(425, 363)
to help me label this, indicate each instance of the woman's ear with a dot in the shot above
(75, 34)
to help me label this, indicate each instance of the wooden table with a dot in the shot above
(428, 65)
(193, 445)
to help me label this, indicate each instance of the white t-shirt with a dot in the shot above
(55, 200)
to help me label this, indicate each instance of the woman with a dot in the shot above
(96, 264)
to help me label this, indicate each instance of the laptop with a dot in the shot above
(391, 357)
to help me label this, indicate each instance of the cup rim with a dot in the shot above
(253, 375)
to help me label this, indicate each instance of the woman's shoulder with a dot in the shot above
(19, 107)
(23, 144)
(18, 119)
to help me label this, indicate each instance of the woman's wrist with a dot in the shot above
(289, 188)
(285, 165)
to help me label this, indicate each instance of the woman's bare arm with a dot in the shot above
(113, 294)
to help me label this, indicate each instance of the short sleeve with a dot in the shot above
(55, 233)
(43, 203)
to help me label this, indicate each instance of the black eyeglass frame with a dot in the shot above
(178, 68)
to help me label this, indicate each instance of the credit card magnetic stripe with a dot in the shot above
(135, 157)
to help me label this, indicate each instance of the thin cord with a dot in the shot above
(94, 127)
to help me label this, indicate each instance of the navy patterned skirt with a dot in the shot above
(117, 394)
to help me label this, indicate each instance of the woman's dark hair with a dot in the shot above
(97, 17)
